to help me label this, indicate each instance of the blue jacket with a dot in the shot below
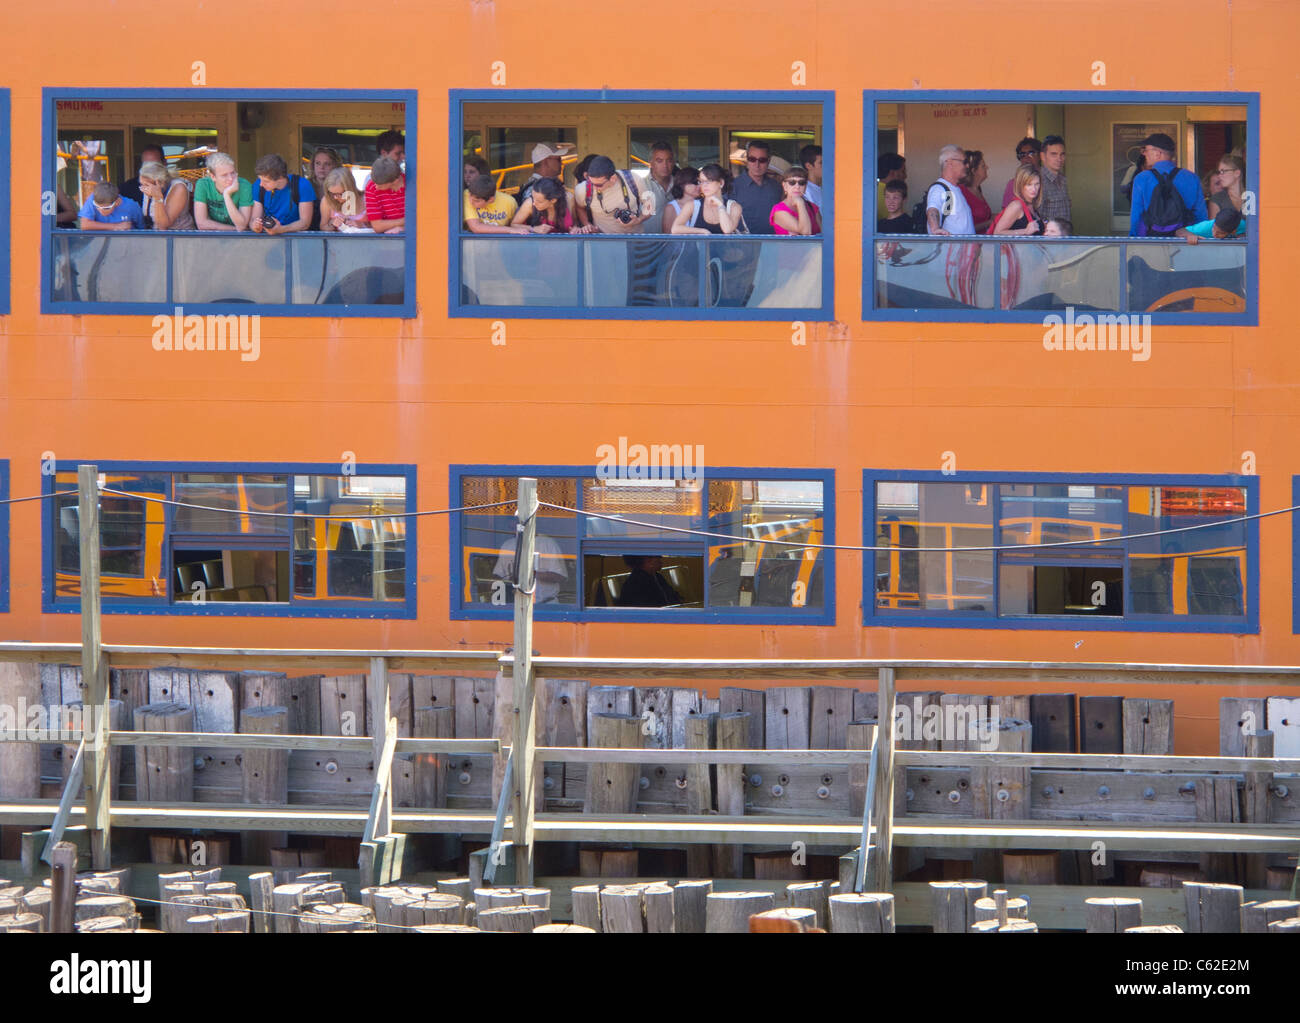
(1187, 184)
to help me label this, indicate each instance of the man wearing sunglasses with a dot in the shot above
(1029, 151)
(106, 210)
(756, 192)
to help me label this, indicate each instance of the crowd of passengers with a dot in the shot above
(668, 200)
(1166, 200)
(278, 202)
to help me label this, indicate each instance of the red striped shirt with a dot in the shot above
(388, 204)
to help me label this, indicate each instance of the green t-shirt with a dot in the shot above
(206, 191)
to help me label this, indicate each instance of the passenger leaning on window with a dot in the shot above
(1021, 215)
(686, 185)
(794, 214)
(106, 210)
(1228, 185)
(946, 209)
(474, 166)
(712, 212)
(282, 202)
(223, 201)
(488, 210)
(342, 205)
(609, 201)
(166, 199)
(757, 190)
(548, 208)
(896, 219)
(386, 196)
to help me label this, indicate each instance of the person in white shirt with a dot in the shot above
(552, 570)
(811, 158)
(946, 209)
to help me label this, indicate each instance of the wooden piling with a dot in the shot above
(700, 733)
(1149, 727)
(1111, 916)
(431, 768)
(586, 906)
(520, 919)
(783, 920)
(1213, 908)
(336, 918)
(1217, 800)
(1101, 724)
(733, 733)
(434, 908)
(862, 913)
(999, 792)
(1256, 916)
(164, 774)
(1011, 909)
(63, 870)
(260, 890)
(20, 762)
(612, 788)
(1154, 929)
(690, 906)
(1053, 721)
(953, 906)
(264, 777)
(812, 895)
(1238, 717)
(729, 912)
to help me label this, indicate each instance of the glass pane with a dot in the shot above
(1198, 572)
(510, 153)
(622, 272)
(758, 571)
(488, 541)
(1177, 277)
(223, 576)
(1054, 274)
(130, 537)
(667, 580)
(919, 274)
(522, 272)
(692, 147)
(1039, 513)
(1085, 590)
(934, 515)
(677, 503)
(356, 559)
(207, 268)
(349, 270)
(106, 266)
(782, 273)
(240, 493)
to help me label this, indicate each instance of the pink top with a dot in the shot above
(814, 215)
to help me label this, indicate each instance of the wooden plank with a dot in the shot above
(865, 702)
(732, 700)
(474, 698)
(1283, 715)
(1101, 724)
(343, 705)
(1148, 726)
(914, 710)
(882, 799)
(965, 718)
(609, 700)
(304, 705)
(1238, 717)
(1053, 721)
(686, 705)
(701, 733)
(832, 710)
(788, 709)
(562, 706)
(653, 705)
(20, 774)
(94, 670)
(383, 729)
(1012, 706)
(733, 730)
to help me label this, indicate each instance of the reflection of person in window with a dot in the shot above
(551, 568)
(645, 586)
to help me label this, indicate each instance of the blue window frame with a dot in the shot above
(1201, 580)
(1133, 276)
(363, 273)
(153, 555)
(749, 582)
(5, 157)
(639, 277)
(4, 536)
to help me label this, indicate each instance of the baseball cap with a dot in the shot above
(1161, 141)
(541, 151)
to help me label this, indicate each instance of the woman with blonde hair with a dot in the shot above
(1227, 185)
(1020, 216)
(342, 204)
(166, 199)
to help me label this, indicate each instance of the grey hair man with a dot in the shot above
(946, 209)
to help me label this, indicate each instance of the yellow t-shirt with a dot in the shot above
(500, 211)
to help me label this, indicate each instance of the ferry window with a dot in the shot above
(610, 250)
(1088, 235)
(235, 547)
(1067, 551)
(615, 547)
(183, 244)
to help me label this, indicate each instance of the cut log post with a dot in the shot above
(812, 895)
(733, 733)
(447, 929)
(332, 919)
(1149, 727)
(497, 898)
(38, 901)
(1256, 916)
(783, 920)
(32, 923)
(265, 777)
(612, 788)
(1291, 926)
(63, 874)
(260, 891)
(1111, 916)
(164, 774)
(987, 909)
(174, 913)
(690, 904)
(224, 921)
(586, 906)
(862, 913)
(1213, 908)
(657, 902)
(729, 912)
(621, 910)
(1154, 929)
(1010, 927)
(413, 910)
(953, 908)
(519, 919)
(431, 768)
(459, 886)
(92, 906)
(562, 929)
